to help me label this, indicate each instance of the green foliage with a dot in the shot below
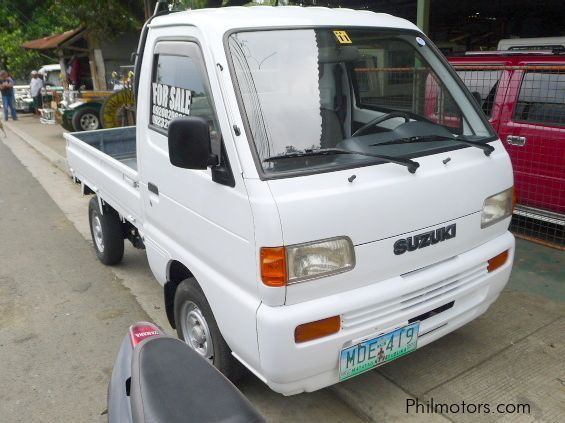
(105, 19)
(200, 4)
(24, 20)
(190, 4)
(17, 60)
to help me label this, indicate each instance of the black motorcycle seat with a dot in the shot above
(172, 383)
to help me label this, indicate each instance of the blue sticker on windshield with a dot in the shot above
(420, 41)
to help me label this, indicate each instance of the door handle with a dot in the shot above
(516, 140)
(153, 188)
(130, 181)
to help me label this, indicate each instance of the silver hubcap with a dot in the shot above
(97, 231)
(195, 330)
(88, 122)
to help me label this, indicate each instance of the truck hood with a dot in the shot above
(386, 201)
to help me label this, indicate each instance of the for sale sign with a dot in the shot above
(168, 103)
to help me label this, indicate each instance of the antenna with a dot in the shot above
(160, 6)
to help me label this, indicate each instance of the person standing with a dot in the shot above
(35, 86)
(8, 99)
(73, 72)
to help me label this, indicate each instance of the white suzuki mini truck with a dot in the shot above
(315, 189)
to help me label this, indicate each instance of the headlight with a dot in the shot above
(281, 266)
(320, 258)
(497, 208)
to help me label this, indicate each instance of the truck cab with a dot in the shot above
(305, 211)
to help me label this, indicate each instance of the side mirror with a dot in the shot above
(189, 143)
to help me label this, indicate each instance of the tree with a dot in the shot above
(199, 4)
(25, 20)
(105, 19)
(22, 21)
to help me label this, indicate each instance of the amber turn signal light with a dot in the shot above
(273, 266)
(497, 261)
(317, 329)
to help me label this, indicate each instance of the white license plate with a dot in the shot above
(377, 351)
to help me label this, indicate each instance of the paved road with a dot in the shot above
(63, 314)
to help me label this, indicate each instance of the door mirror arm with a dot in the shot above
(190, 148)
(213, 160)
(222, 173)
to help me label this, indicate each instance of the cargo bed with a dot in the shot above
(105, 161)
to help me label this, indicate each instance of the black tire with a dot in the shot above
(189, 292)
(107, 234)
(87, 119)
(67, 124)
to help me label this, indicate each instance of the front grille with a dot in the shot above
(444, 289)
(432, 313)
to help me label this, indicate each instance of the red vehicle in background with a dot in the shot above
(523, 95)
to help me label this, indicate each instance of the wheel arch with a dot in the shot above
(176, 273)
(89, 105)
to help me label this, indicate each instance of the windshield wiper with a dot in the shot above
(410, 164)
(487, 148)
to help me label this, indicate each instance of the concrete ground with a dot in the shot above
(56, 321)
(54, 363)
(63, 314)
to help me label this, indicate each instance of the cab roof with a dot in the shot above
(225, 19)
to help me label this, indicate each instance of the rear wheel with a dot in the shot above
(107, 234)
(197, 327)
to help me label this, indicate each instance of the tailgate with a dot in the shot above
(105, 161)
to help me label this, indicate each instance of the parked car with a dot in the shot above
(51, 75)
(538, 43)
(303, 214)
(523, 95)
(24, 100)
(81, 110)
(81, 115)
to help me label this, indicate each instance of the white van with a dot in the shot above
(315, 189)
(539, 43)
(51, 75)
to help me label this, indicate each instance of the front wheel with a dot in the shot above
(107, 234)
(197, 327)
(86, 119)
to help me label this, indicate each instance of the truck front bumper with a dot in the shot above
(290, 368)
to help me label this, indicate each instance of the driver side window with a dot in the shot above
(179, 87)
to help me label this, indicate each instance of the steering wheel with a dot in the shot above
(380, 119)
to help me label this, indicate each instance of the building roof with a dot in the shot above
(228, 18)
(52, 41)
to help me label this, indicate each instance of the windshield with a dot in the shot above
(306, 90)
